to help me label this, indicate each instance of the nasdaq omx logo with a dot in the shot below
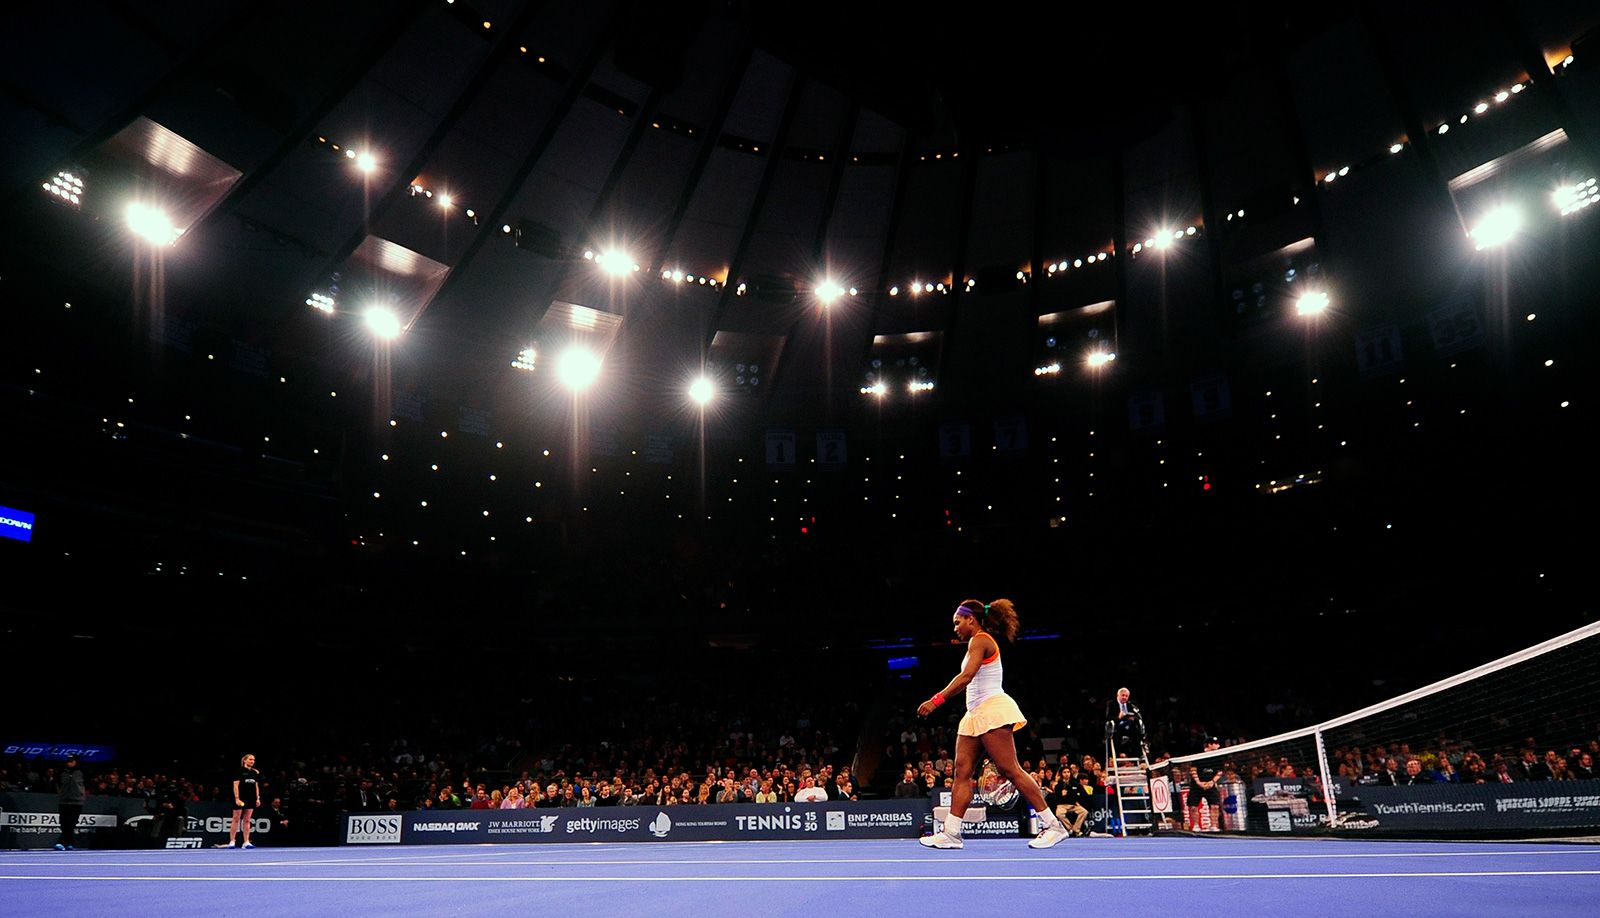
(373, 830)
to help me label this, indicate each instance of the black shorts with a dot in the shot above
(248, 805)
(1197, 794)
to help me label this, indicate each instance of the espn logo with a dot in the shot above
(186, 843)
(373, 830)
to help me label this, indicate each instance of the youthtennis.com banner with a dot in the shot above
(1473, 807)
(902, 818)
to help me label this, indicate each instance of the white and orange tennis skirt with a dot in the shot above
(992, 713)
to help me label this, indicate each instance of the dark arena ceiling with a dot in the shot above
(992, 298)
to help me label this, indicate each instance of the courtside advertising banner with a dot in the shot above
(901, 818)
(34, 821)
(1472, 807)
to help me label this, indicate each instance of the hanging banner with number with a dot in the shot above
(657, 449)
(1211, 398)
(408, 405)
(472, 420)
(830, 448)
(1455, 326)
(1146, 411)
(780, 447)
(955, 440)
(603, 441)
(1378, 351)
(1010, 434)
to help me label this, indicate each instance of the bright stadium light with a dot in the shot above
(1496, 227)
(1312, 304)
(366, 162)
(701, 391)
(1098, 359)
(616, 262)
(527, 359)
(382, 321)
(828, 292)
(151, 224)
(577, 368)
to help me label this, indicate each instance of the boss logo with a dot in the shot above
(373, 830)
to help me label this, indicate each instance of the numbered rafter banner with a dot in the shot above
(1378, 351)
(471, 419)
(657, 449)
(1456, 326)
(955, 440)
(1212, 399)
(780, 447)
(831, 448)
(408, 404)
(1146, 411)
(1011, 434)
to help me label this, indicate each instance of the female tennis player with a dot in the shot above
(990, 720)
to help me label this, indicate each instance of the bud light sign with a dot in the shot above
(16, 524)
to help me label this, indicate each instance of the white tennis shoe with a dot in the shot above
(1050, 837)
(941, 840)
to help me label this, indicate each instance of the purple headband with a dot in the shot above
(963, 610)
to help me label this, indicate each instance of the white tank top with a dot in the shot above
(986, 684)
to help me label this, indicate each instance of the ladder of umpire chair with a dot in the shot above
(1129, 779)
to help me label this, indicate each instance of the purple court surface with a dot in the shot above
(856, 879)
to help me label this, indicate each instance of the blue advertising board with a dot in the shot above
(901, 818)
(16, 524)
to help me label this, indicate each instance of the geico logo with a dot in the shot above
(374, 825)
(218, 824)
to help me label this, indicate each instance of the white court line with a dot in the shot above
(930, 859)
(961, 878)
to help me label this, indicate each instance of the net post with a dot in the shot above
(1327, 781)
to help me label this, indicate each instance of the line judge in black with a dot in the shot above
(246, 797)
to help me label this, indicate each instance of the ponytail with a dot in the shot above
(998, 617)
(1003, 619)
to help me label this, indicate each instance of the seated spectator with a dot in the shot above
(1415, 774)
(513, 798)
(1530, 768)
(1584, 769)
(766, 794)
(1390, 774)
(809, 792)
(908, 786)
(585, 798)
